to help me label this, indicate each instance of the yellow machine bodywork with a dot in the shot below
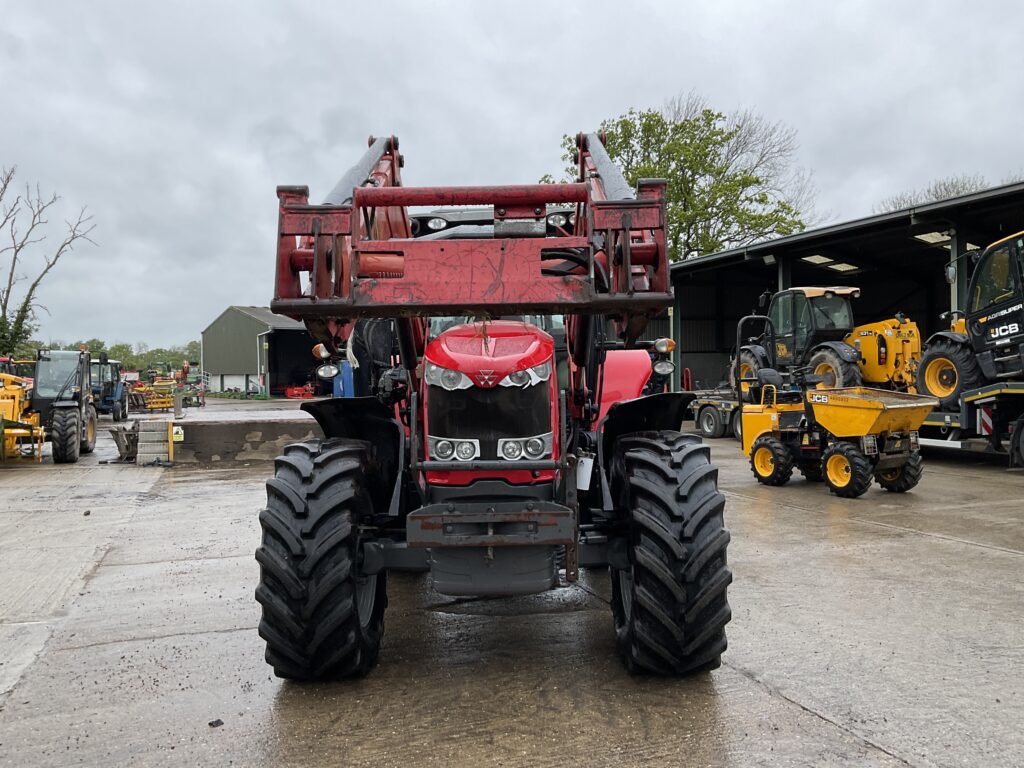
(860, 411)
(19, 428)
(902, 352)
(764, 417)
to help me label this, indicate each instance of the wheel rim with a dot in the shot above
(826, 369)
(707, 422)
(746, 372)
(838, 470)
(890, 476)
(90, 431)
(940, 377)
(764, 462)
(366, 598)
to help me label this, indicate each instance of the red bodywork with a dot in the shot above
(487, 353)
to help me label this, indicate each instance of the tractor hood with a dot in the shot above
(487, 352)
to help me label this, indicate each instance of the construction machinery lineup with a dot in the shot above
(472, 456)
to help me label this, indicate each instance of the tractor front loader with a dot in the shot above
(465, 455)
(815, 329)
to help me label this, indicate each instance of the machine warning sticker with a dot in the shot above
(178, 434)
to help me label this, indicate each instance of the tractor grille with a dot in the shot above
(489, 414)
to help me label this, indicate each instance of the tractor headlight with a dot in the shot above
(556, 220)
(528, 377)
(446, 378)
(466, 450)
(443, 449)
(436, 223)
(664, 367)
(664, 346)
(525, 448)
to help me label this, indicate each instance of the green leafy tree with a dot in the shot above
(732, 179)
(25, 259)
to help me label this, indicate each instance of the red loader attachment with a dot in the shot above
(354, 255)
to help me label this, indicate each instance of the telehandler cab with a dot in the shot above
(62, 396)
(815, 329)
(470, 459)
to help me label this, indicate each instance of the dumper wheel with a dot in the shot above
(322, 618)
(811, 472)
(837, 372)
(89, 435)
(847, 471)
(770, 461)
(65, 435)
(945, 370)
(669, 606)
(902, 479)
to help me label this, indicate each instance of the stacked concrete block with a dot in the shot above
(153, 445)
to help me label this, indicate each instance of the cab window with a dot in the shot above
(782, 314)
(995, 280)
(802, 313)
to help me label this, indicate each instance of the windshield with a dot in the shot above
(832, 312)
(995, 280)
(55, 371)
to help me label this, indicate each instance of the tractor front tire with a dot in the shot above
(322, 619)
(89, 435)
(710, 422)
(847, 471)
(902, 479)
(670, 606)
(947, 369)
(117, 412)
(839, 373)
(770, 461)
(65, 435)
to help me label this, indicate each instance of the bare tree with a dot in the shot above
(23, 224)
(941, 189)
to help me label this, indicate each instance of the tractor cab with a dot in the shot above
(804, 318)
(108, 389)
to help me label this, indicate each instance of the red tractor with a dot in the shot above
(491, 442)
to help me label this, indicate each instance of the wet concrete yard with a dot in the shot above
(883, 631)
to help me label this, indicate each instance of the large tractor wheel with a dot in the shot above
(669, 605)
(902, 479)
(847, 470)
(946, 369)
(65, 435)
(770, 461)
(89, 433)
(837, 372)
(710, 422)
(322, 618)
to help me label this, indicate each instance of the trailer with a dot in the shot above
(990, 420)
(717, 413)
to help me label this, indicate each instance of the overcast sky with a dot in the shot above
(174, 122)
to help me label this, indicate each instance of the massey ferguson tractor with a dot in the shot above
(467, 456)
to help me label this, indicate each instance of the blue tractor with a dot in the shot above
(108, 388)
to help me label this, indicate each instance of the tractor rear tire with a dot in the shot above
(322, 619)
(947, 369)
(65, 435)
(827, 362)
(770, 461)
(89, 437)
(848, 472)
(710, 422)
(902, 479)
(670, 606)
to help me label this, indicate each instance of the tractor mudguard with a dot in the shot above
(846, 353)
(956, 338)
(760, 353)
(366, 418)
(644, 414)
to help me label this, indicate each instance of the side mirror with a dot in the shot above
(763, 299)
(951, 273)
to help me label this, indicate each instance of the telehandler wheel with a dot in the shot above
(749, 367)
(770, 461)
(710, 422)
(670, 607)
(847, 470)
(89, 437)
(839, 373)
(945, 370)
(322, 618)
(811, 472)
(65, 435)
(902, 479)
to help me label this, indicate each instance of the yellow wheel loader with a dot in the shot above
(846, 437)
(814, 328)
(20, 432)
